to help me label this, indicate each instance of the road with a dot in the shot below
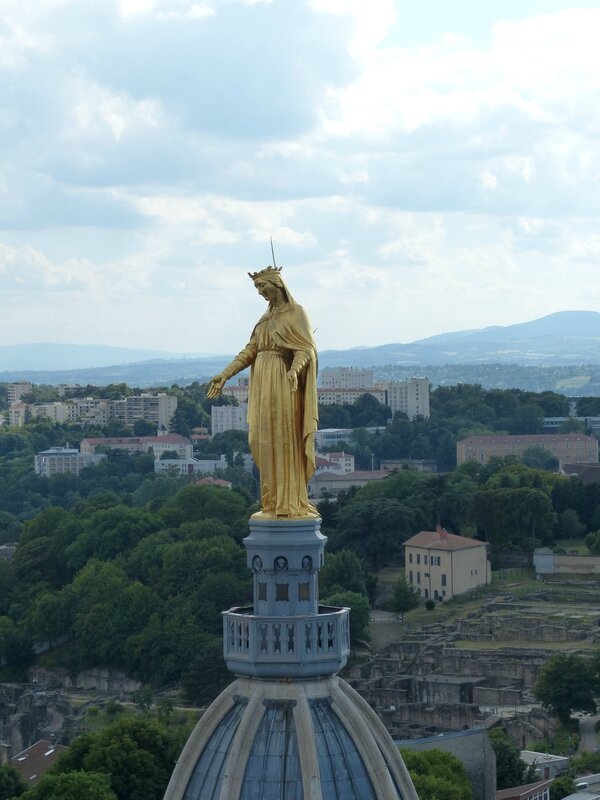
(589, 737)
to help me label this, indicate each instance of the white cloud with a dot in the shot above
(149, 148)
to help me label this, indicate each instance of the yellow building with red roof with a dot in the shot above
(441, 565)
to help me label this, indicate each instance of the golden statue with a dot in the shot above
(282, 398)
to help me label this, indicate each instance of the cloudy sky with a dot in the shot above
(421, 167)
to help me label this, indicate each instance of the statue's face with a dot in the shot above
(267, 290)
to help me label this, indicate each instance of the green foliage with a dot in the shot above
(437, 775)
(136, 754)
(515, 517)
(561, 787)
(569, 524)
(567, 683)
(592, 541)
(586, 762)
(11, 783)
(207, 674)
(143, 698)
(539, 458)
(72, 786)
(375, 529)
(510, 768)
(365, 413)
(345, 571)
(404, 597)
(360, 612)
(430, 604)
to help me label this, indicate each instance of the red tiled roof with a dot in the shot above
(445, 541)
(36, 760)
(208, 481)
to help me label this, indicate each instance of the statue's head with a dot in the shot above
(269, 283)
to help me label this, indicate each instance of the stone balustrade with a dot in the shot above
(295, 647)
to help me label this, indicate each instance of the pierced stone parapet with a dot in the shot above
(302, 646)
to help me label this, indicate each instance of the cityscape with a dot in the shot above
(462, 534)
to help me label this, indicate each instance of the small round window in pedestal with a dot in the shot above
(257, 564)
(281, 562)
(307, 563)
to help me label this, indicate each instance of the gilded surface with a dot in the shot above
(282, 400)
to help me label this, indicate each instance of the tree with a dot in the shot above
(539, 458)
(510, 768)
(11, 783)
(72, 786)
(360, 612)
(561, 787)
(136, 754)
(375, 529)
(143, 698)
(437, 775)
(404, 597)
(570, 526)
(207, 675)
(566, 683)
(344, 571)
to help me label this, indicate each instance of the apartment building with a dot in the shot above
(229, 418)
(15, 391)
(346, 378)
(238, 391)
(60, 460)
(158, 408)
(410, 397)
(157, 445)
(573, 448)
(337, 397)
(441, 565)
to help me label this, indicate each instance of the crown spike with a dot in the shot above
(264, 272)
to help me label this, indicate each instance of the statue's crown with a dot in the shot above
(265, 272)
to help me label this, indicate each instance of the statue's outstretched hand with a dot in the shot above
(292, 380)
(215, 387)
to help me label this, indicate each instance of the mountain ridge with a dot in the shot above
(564, 337)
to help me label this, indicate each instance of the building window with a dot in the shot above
(410, 555)
(418, 577)
(418, 558)
(281, 591)
(262, 591)
(303, 591)
(444, 579)
(424, 559)
(410, 577)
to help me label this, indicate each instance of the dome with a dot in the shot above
(290, 740)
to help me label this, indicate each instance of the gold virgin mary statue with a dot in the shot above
(282, 399)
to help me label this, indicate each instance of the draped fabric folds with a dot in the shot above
(282, 423)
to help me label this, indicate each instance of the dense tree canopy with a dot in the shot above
(437, 775)
(136, 755)
(568, 683)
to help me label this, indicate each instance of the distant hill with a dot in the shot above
(557, 340)
(45, 356)
(566, 337)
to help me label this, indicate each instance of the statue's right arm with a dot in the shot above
(243, 359)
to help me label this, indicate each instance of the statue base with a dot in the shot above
(286, 633)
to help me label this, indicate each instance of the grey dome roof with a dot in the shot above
(290, 741)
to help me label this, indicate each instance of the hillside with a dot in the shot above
(545, 350)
